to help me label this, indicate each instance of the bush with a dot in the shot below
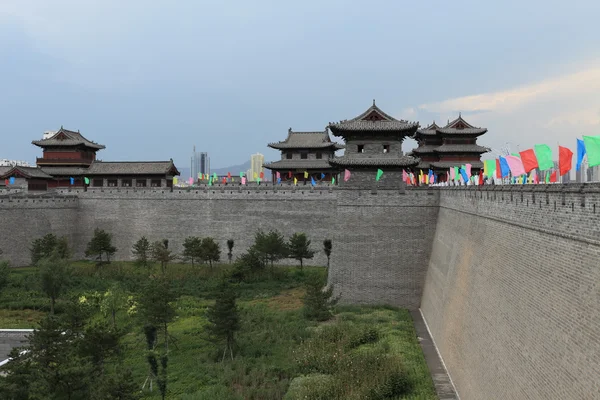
(364, 336)
(312, 387)
(212, 393)
(318, 303)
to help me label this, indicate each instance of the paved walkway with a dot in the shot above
(441, 380)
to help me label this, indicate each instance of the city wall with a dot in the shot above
(512, 292)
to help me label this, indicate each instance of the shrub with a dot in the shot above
(212, 393)
(364, 336)
(318, 303)
(312, 387)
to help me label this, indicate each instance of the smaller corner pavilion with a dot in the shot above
(302, 152)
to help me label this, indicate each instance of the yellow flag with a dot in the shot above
(295, 181)
(232, 180)
(305, 174)
(174, 180)
(427, 179)
(255, 175)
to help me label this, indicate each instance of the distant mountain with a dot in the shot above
(234, 169)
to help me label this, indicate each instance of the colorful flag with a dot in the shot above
(305, 174)
(543, 154)
(463, 173)
(295, 181)
(6, 182)
(468, 169)
(86, 180)
(404, 175)
(529, 160)
(243, 180)
(580, 153)
(72, 180)
(241, 174)
(504, 168)
(452, 176)
(11, 180)
(224, 180)
(481, 177)
(277, 175)
(229, 175)
(322, 175)
(346, 175)
(262, 175)
(255, 176)
(210, 182)
(215, 176)
(175, 180)
(278, 181)
(524, 179)
(191, 180)
(489, 167)
(498, 169)
(289, 174)
(592, 149)
(312, 181)
(333, 180)
(515, 165)
(534, 176)
(565, 160)
(553, 176)
(456, 173)
(379, 174)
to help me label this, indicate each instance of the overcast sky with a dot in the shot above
(149, 79)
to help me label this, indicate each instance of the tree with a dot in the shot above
(4, 273)
(160, 253)
(192, 248)
(299, 248)
(141, 251)
(101, 243)
(54, 274)
(113, 300)
(223, 317)
(44, 247)
(154, 305)
(318, 303)
(230, 244)
(327, 249)
(271, 246)
(210, 250)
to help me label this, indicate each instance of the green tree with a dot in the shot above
(54, 276)
(192, 249)
(4, 274)
(318, 303)
(113, 300)
(327, 250)
(44, 247)
(101, 243)
(223, 317)
(160, 253)
(271, 246)
(210, 250)
(141, 251)
(230, 244)
(299, 248)
(154, 305)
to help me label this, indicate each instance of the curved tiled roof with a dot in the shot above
(461, 127)
(428, 148)
(64, 171)
(132, 168)
(29, 172)
(373, 119)
(431, 130)
(461, 148)
(403, 161)
(306, 140)
(66, 137)
(298, 164)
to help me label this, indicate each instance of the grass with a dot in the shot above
(373, 345)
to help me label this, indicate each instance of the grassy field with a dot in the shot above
(360, 354)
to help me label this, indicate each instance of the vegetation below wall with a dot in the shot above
(361, 353)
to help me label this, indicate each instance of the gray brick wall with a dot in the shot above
(512, 291)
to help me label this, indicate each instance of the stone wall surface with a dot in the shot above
(512, 293)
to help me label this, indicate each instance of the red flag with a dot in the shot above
(565, 159)
(498, 169)
(553, 176)
(481, 177)
(262, 175)
(6, 182)
(229, 175)
(290, 174)
(529, 160)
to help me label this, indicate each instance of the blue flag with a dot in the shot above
(524, 179)
(464, 175)
(11, 180)
(504, 168)
(312, 181)
(278, 181)
(322, 175)
(72, 180)
(580, 153)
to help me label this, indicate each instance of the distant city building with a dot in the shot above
(200, 164)
(13, 163)
(256, 165)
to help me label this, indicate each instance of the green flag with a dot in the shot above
(199, 175)
(592, 149)
(515, 154)
(548, 177)
(215, 175)
(544, 156)
(489, 167)
(332, 180)
(86, 180)
(210, 182)
(456, 173)
(241, 174)
(379, 174)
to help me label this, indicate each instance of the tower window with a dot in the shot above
(288, 155)
(386, 148)
(319, 155)
(304, 156)
(361, 148)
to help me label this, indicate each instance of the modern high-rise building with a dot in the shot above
(256, 165)
(200, 164)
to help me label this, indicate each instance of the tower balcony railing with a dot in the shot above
(63, 161)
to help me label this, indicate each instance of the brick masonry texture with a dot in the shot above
(512, 292)
(507, 278)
